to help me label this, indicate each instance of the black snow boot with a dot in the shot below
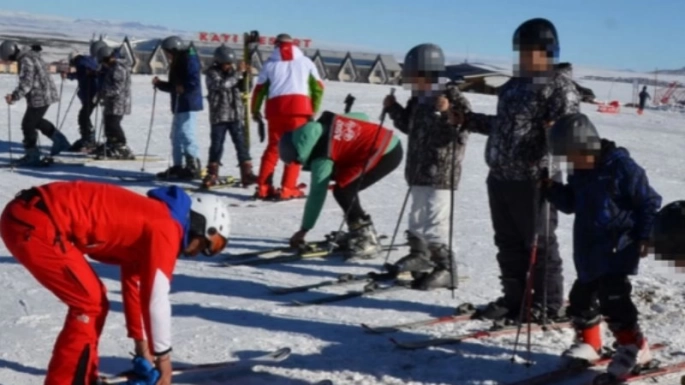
(192, 170)
(508, 306)
(441, 276)
(418, 260)
(172, 172)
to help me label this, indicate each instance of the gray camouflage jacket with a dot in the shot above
(225, 96)
(517, 147)
(115, 93)
(35, 82)
(431, 137)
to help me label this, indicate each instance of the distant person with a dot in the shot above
(643, 99)
(292, 87)
(37, 86)
(185, 87)
(88, 87)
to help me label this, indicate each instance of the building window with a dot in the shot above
(378, 73)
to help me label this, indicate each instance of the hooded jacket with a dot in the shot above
(35, 82)
(86, 76)
(116, 88)
(186, 71)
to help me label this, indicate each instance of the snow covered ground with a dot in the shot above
(222, 313)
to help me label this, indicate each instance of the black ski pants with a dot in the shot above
(607, 297)
(33, 122)
(348, 196)
(113, 131)
(517, 214)
(218, 137)
(84, 123)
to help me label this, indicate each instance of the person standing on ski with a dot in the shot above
(540, 92)
(644, 95)
(185, 87)
(37, 86)
(430, 163)
(50, 228)
(87, 79)
(337, 148)
(614, 208)
(115, 95)
(225, 86)
(293, 88)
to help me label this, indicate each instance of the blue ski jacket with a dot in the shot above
(614, 208)
(186, 71)
(86, 76)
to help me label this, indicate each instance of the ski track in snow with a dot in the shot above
(221, 313)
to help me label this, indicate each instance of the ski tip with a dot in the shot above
(281, 354)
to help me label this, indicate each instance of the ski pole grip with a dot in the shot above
(392, 92)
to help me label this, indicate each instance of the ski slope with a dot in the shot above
(222, 313)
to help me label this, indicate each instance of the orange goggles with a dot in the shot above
(215, 243)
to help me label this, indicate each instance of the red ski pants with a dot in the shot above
(278, 126)
(31, 237)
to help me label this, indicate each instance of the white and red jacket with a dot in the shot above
(290, 83)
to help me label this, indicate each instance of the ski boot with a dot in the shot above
(31, 158)
(631, 354)
(285, 193)
(211, 179)
(192, 170)
(59, 143)
(417, 261)
(507, 308)
(265, 192)
(122, 151)
(171, 173)
(587, 347)
(363, 242)
(85, 144)
(247, 177)
(442, 275)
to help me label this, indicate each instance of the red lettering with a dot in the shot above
(225, 37)
(272, 41)
(262, 40)
(235, 38)
(203, 36)
(296, 42)
(307, 42)
(215, 38)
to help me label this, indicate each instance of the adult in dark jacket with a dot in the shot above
(185, 87)
(87, 80)
(516, 151)
(614, 208)
(644, 95)
(37, 86)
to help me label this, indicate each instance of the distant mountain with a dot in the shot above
(671, 72)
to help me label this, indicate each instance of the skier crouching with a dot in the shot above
(614, 208)
(337, 147)
(50, 228)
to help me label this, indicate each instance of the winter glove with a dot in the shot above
(143, 373)
(261, 130)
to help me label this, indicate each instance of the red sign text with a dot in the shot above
(211, 37)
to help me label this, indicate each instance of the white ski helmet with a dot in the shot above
(209, 217)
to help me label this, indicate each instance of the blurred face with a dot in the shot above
(534, 60)
(169, 56)
(580, 161)
(210, 246)
(227, 67)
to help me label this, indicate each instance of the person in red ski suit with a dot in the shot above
(49, 228)
(293, 88)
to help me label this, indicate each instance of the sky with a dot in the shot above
(612, 34)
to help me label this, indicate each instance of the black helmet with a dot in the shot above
(283, 38)
(9, 50)
(571, 133)
(668, 231)
(286, 148)
(95, 46)
(224, 55)
(173, 44)
(103, 53)
(424, 60)
(539, 34)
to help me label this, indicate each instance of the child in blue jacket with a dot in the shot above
(614, 209)
(88, 87)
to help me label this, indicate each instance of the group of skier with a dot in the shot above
(50, 228)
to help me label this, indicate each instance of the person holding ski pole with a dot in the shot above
(50, 228)
(430, 164)
(615, 208)
(540, 92)
(87, 80)
(226, 112)
(40, 91)
(336, 148)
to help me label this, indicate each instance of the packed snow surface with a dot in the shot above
(223, 313)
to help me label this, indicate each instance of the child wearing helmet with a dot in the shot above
(614, 207)
(37, 86)
(50, 228)
(225, 86)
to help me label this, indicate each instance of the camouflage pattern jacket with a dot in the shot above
(517, 146)
(115, 93)
(35, 82)
(431, 137)
(225, 95)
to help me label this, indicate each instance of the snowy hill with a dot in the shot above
(223, 313)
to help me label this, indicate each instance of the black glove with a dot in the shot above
(261, 130)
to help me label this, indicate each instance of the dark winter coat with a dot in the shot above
(35, 82)
(643, 98)
(186, 71)
(614, 209)
(431, 136)
(517, 147)
(116, 89)
(225, 95)
(86, 76)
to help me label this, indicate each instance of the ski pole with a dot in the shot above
(9, 135)
(149, 132)
(59, 102)
(453, 264)
(66, 113)
(397, 225)
(361, 176)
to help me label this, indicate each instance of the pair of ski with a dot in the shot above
(222, 369)
(46, 162)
